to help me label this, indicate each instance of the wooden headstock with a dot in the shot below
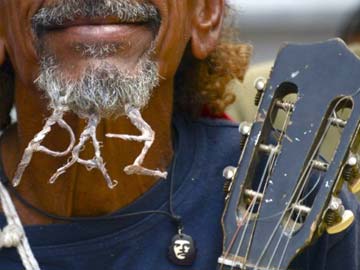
(296, 157)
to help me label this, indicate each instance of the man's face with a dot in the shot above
(80, 36)
(181, 249)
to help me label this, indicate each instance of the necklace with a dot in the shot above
(182, 249)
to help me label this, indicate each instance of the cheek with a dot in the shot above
(20, 43)
(173, 37)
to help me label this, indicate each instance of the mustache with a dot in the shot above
(65, 11)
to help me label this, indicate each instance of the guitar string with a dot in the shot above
(327, 128)
(354, 94)
(289, 237)
(288, 241)
(293, 229)
(281, 136)
(260, 205)
(240, 224)
(290, 215)
(266, 172)
(314, 153)
(318, 181)
(284, 212)
(252, 208)
(292, 196)
(248, 210)
(303, 199)
(271, 159)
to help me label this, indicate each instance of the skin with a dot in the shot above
(79, 192)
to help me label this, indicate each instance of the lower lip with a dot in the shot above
(103, 32)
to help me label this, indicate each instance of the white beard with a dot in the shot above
(103, 90)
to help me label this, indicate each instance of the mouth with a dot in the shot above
(99, 19)
(119, 31)
(99, 28)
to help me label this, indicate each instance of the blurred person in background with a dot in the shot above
(350, 31)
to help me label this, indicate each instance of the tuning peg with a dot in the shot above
(228, 173)
(244, 129)
(260, 85)
(351, 173)
(337, 218)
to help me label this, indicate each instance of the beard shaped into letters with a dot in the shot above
(100, 91)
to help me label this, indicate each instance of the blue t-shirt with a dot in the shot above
(204, 148)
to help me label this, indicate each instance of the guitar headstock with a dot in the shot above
(296, 157)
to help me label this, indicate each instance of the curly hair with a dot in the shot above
(203, 84)
(198, 84)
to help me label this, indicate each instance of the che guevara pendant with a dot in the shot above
(182, 250)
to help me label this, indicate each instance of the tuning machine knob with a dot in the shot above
(260, 85)
(244, 129)
(351, 173)
(337, 218)
(228, 174)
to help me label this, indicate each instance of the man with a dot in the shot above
(92, 60)
(99, 60)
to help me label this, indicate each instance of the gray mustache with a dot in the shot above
(62, 11)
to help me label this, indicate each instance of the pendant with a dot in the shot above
(182, 250)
